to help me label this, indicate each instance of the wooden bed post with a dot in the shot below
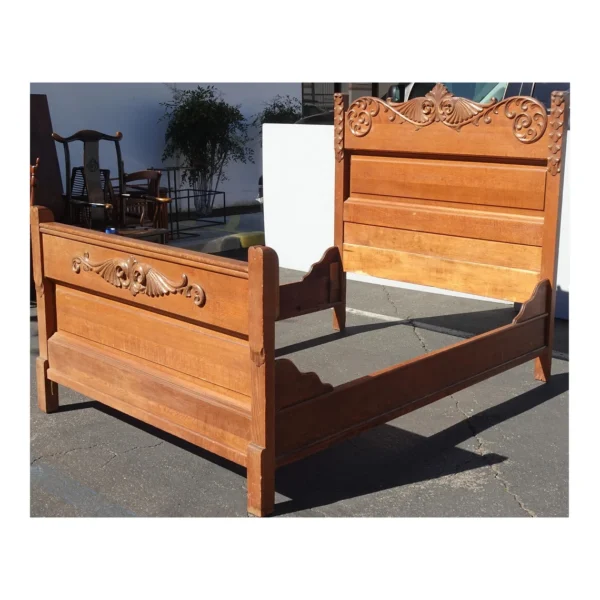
(342, 181)
(557, 128)
(46, 311)
(263, 272)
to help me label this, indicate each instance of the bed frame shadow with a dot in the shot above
(382, 458)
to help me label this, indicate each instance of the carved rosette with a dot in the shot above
(361, 113)
(557, 119)
(139, 278)
(440, 106)
(338, 118)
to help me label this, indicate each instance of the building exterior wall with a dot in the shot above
(135, 110)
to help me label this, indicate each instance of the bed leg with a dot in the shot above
(47, 390)
(339, 318)
(261, 481)
(543, 364)
(339, 312)
(543, 367)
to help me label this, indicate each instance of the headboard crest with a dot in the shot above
(440, 106)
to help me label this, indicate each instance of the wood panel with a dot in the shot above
(191, 349)
(491, 281)
(46, 311)
(384, 395)
(105, 372)
(437, 139)
(464, 223)
(319, 289)
(502, 254)
(516, 186)
(429, 203)
(226, 291)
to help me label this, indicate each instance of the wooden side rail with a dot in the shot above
(319, 289)
(311, 425)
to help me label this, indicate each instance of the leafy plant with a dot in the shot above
(209, 134)
(281, 109)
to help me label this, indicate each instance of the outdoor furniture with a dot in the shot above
(89, 195)
(145, 210)
(94, 202)
(440, 191)
(183, 197)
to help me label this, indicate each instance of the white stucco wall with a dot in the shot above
(299, 174)
(135, 110)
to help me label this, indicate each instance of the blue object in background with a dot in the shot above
(110, 230)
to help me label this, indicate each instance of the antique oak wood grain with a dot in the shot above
(387, 394)
(263, 269)
(342, 187)
(46, 310)
(516, 186)
(470, 224)
(518, 256)
(441, 272)
(438, 190)
(319, 289)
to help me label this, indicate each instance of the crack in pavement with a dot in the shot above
(62, 453)
(407, 320)
(115, 454)
(481, 450)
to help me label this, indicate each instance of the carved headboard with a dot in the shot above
(446, 192)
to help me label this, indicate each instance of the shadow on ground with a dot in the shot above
(383, 458)
(460, 325)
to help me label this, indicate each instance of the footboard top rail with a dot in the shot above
(209, 262)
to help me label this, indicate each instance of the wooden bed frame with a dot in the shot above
(440, 191)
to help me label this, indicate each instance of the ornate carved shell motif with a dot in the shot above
(139, 278)
(440, 106)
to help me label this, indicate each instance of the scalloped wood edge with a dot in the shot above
(293, 386)
(318, 290)
(538, 303)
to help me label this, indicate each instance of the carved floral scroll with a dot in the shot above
(440, 106)
(557, 121)
(338, 118)
(139, 278)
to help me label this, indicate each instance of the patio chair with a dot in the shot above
(145, 208)
(89, 194)
(93, 200)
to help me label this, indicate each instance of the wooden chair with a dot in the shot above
(144, 206)
(93, 200)
(88, 189)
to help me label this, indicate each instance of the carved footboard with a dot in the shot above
(180, 340)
